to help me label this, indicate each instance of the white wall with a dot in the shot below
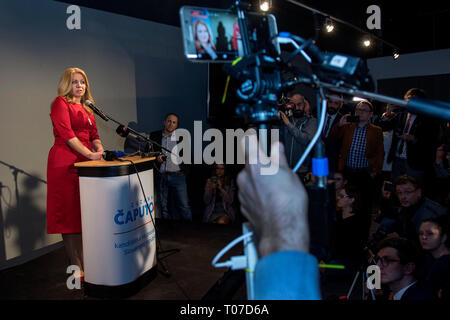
(411, 65)
(128, 62)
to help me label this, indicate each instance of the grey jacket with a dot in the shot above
(296, 137)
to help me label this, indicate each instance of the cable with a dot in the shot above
(315, 138)
(235, 262)
(158, 242)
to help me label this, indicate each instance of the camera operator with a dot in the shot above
(280, 220)
(298, 130)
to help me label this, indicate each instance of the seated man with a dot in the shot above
(397, 259)
(414, 208)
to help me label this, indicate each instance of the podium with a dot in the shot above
(117, 217)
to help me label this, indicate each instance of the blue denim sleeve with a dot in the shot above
(287, 275)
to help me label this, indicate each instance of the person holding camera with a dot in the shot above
(362, 152)
(171, 179)
(219, 197)
(298, 130)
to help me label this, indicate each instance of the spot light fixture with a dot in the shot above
(329, 26)
(395, 54)
(265, 5)
(366, 41)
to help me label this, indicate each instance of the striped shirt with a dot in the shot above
(357, 155)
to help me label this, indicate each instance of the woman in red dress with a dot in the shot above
(76, 139)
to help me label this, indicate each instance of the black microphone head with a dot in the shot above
(88, 103)
(122, 131)
(109, 155)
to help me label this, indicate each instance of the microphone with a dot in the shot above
(97, 111)
(124, 132)
(112, 155)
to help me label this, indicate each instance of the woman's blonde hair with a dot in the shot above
(65, 87)
(198, 45)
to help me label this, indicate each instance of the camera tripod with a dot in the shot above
(363, 273)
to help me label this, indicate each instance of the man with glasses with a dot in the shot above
(397, 259)
(414, 208)
(361, 155)
(298, 130)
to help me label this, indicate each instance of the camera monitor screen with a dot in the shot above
(213, 35)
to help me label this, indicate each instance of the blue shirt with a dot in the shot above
(287, 275)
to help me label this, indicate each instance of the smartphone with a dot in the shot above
(353, 119)
(388, 186)
(213, 35)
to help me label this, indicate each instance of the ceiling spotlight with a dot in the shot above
(265, 5)
(396, 55)
(329, 26)
(366, 42)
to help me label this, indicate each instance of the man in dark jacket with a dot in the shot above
(414, 141)
(397, 259)
(297, 131)
(334, 115)
(414, 208)
(171, 177)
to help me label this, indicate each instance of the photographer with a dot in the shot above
(219, 197)
(298, 130)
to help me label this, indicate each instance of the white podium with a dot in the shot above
(117, 216)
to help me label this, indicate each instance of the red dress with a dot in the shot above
(63, 194)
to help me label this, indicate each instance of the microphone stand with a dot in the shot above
(106, 117)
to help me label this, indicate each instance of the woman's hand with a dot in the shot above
(95, 155)
(210, 185)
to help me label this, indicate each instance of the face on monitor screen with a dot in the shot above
(213, 35)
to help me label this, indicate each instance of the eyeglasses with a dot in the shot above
(340, 196)
(385, 261)
(406, 192)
